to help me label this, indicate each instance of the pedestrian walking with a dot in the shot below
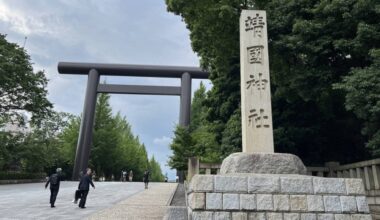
(54, 181)
(77, 192)
(130, 176)
(124, 176)
(84, 187)
(146, 178)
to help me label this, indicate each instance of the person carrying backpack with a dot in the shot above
(54, 181)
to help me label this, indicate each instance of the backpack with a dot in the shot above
(146, 176)
(54, 179)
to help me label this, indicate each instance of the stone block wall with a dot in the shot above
(276, 196)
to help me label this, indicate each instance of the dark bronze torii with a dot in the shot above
(94, 70)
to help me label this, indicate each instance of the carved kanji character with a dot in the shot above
(258, 119)
(251, 81)
(255, 24)
(255, 54)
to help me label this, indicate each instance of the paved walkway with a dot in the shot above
(149, 204)
(31, 201)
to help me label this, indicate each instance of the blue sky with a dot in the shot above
(112, 31)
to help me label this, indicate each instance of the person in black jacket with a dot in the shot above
(54, 181)
(84, 187)
(146, 178)
(77, 192)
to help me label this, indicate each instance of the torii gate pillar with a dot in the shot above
(87, 123)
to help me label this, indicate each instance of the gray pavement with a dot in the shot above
(151, 204)
(31, 201)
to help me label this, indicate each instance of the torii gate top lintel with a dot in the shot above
(132, 70)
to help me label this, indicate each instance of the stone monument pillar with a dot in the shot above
(256, 110)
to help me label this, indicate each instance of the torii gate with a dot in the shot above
(94, 70)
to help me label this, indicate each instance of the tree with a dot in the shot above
(231, 136)
(197, 139)
(218, 47)
(43, 146)
(114, 149)
(311, 51)
(69, 139)
(205, 146)
(362, 89)
(312, 45)
(104, 152)
(38, 150)
(198, 109)
(140, 159)
(155, 171)
(182, 148)
(20, 88)
(11, 150)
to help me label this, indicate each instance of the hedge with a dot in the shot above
(21, 175)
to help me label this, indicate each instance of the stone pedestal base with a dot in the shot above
(276, 196)
(269, 163)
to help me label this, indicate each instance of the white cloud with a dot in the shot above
(162, 141)
(30, 22)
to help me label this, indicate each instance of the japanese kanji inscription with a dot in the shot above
(255, 83)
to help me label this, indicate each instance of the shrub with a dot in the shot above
(20, 175)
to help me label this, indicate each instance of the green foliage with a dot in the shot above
(20, 88)
(44, 144)
(198, 109)
(114, 149)
(218, 47)
(105, 153)
(205, 146)
(155, 171)
(11, 150)
(362, 94)
(21, 175)
(231, 136)
(196, 140)
(312, 45)
(68, 139)
(36, 151)
(181, 147)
